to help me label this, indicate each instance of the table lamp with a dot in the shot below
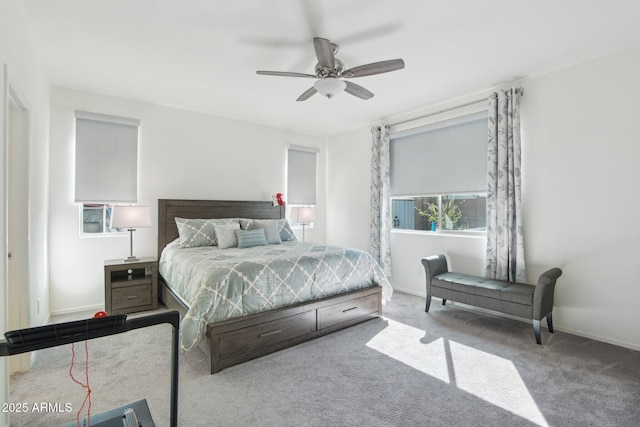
(130, 217)
(303, 216)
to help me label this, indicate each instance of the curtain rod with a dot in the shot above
(439, 112)
(518, 90)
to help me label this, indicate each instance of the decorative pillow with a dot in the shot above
(225, 233)
(200, 232)
(284, 229)
(270, 228)
(286, 233)
(250, 238)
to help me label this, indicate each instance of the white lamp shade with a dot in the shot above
(303, 214)
(130, 217)
(329, 87)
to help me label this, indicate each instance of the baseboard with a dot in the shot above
(631, 346)
(407, 291)
(595, 337)
(96, 307)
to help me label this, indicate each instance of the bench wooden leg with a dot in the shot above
(550, 322)
(536, 331)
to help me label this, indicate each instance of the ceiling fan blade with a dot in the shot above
(307, 94)
(374, 68)
(286, 74)
(357, 90)
(324, 52)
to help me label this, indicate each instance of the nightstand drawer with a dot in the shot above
(347, 311)
(131, 296)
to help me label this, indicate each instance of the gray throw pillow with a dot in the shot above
(270, 228)
(250, 238)
(200, 232)
(286, 233)
(284, 229)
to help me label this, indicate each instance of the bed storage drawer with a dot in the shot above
(266, 334)
(238, 340)
(348, 312)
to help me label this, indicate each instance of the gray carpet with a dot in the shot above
(452, 366)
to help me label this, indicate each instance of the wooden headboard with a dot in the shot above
(168, 209)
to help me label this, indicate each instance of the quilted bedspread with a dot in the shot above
(219, 284)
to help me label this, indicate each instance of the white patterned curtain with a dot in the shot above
(380, 226)
(505, 245)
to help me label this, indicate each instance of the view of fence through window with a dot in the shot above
(436, 213)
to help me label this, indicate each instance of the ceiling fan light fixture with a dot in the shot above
(329, 87)
(329, 72)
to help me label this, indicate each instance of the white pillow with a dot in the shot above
(226, 235)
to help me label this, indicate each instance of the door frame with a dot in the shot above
(17, 134)
(4, 363)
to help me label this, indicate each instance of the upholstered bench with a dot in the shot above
(516, 299)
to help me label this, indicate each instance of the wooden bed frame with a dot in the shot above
(240, 339)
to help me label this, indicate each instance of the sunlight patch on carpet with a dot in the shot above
(402, 342)
(489, 377)
(495, 380)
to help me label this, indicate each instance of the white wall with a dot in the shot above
(182, 154)
(19, 51)
(26, 75)
(580, 154)
(580, 192)
(348, 189)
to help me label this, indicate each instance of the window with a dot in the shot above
(439, 176)
(106, 168)
(301, 176)
(461, 212)
(96, 219)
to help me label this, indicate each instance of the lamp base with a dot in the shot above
(131, 258)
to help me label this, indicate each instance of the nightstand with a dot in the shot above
(130, 286)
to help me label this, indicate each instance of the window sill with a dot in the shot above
(446, 233)
(90, 235)
(299, 227)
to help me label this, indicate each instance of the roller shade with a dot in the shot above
(301, 176)
(445, 158)
(106, 158)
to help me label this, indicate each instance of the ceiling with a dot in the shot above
(202, 55)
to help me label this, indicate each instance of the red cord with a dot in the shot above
(86, 373)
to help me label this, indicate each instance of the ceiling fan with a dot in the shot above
(330, 73)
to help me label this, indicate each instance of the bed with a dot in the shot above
(232, 320)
